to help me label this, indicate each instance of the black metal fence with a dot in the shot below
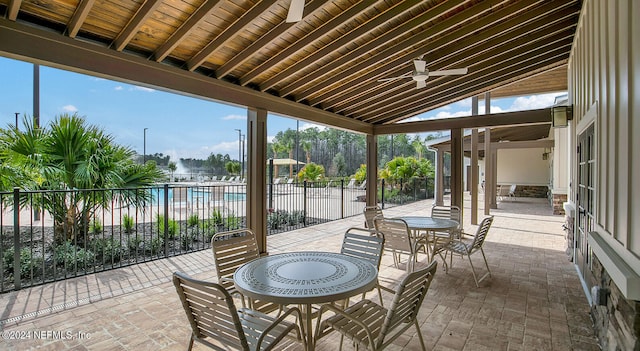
(47, 236)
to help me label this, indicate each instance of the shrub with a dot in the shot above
(216, 216)
(29, 264)
(134, 243)
(157, 245)
(107, 249)
(172, 229)
(127, 223)
(233, 222)
(186, 240)
(193, 220)
(70, 255)
(295, 217)
(96, 226)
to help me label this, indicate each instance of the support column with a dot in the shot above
(473, 187)
(439, 181)
(456, 168)
(494, 178)
(489, 191)
(256, 204)
(371, 191)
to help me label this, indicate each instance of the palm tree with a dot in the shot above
(74, 157)
(306, 146)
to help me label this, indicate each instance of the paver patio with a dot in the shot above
(533, 301)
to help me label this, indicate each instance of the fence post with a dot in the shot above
(166, 220)
(304, 203)
(16, 239)
(382, 193)
(342, 198)
(415, 190)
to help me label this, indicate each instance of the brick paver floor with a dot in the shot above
(533, 301)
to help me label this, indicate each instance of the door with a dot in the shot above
(585, 201)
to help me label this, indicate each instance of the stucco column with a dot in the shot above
(372, 170)
(456, 168)
(256, 204)
(439, 181)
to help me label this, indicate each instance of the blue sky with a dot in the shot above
(179, 126)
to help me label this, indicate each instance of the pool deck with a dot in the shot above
(533, 301)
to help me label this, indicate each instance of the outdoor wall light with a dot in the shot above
(560, 116)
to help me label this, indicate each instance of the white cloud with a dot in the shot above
(139, 88)
(234, 117)
(533, 102)
(305, 126)
(69, 108)
(118, 88)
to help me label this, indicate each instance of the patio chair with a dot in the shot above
(467, 246)
(371, 212)
(231, 250)
(212, 314)
(374, 327)
(363, 185)
(351, 184)
(397, 239)
(512, 192)
(366, 244)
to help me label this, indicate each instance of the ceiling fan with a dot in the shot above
(421, 73)
(296, 9)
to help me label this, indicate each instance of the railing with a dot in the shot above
(47, 236)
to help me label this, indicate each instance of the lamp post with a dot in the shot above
(17, 114)
(144, 146)
(244, 138)
(240, 148)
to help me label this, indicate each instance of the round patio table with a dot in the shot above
(419, 224)
(305, 278)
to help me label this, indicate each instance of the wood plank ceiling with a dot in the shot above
(333, 58)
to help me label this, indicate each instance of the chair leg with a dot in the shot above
(419, 334)
(485, 261)
(190, 343)
(473, 271)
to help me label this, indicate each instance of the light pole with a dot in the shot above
(240, 148)
(242, 166)
(17, 114)
(144, 146)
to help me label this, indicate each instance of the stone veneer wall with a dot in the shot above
(539, 191)
(557, 202)
(617, 323)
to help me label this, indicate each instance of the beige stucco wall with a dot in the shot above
(523, 167)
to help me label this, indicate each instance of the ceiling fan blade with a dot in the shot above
(296, 9)
(392, 78)
(420, 65)
(421, 84)
(447, 72)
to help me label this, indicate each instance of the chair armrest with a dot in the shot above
(345, 315)
(276, 322)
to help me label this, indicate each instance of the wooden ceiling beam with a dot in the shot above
(494, 35)
(266, 39)
(13, 9)
(492, 120)
(354, 55)
(310, 38)
(342, 41)
(27, 43)
(131, 29)
(79, 16)
(187, 27)
(485, 61)
(242, 22)
(354, 73)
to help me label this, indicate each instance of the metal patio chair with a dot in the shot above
(398, 239)
(467, 246)
(212, 314)
(374, 327)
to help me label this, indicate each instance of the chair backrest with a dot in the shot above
(210, 311)
(231, 250)
(407, 301)
(396, 234)
(481, 234)
(352, 183)
(446, 212)
(371, 212)
(512, 190)
(366, 244)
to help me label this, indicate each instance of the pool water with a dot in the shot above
(235, 196)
